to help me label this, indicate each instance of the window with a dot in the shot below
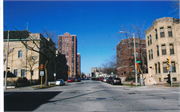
(19, 54)
(32, 72)
(156, 33)
(173, 66)
(136, 45)
(171, 48)
(163, 49)
(151, 54)
(165, 67)
(174, 79)
(159, 68)
(144, 45)
(162, 32)
(136, 54)
(157, 50)
(16, 72)
(22, 72)
(150, 39)
(132, 44)
(169, 31)
(155, 68)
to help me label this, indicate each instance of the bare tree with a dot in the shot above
(32, 61)
(110, 65)
(176, 6)
(125, 50)
(42, 45)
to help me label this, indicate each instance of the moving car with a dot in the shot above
(60, 82)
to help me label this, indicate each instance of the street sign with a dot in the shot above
(54, 74)
(41, 73)
(138, 61)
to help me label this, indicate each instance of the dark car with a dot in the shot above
(109, 80)
(116, 81)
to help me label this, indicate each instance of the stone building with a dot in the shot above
(23, 62)
(163, 41)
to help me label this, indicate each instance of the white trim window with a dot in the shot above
(22, 72)
(16, 72)
(20, 54)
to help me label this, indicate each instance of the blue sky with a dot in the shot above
(96, 24)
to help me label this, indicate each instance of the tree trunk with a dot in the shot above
(46, 75)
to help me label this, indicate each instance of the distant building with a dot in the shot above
(67, 44)
(163, 41)
(79, 64)
(94, 70)
(125, 57)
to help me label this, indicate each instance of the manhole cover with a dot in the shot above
(100, 98)
(131, 93)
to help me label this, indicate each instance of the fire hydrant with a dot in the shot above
(131, 84)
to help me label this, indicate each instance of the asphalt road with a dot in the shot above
(95, 96)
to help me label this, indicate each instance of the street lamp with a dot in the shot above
(134, 53)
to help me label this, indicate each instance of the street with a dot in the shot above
(90, 95)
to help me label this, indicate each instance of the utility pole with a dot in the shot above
(6, 61)
(135, 59)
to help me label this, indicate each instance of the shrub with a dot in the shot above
(129, 78)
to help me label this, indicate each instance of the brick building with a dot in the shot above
(67, 44)
(125, 57)
(79, 64)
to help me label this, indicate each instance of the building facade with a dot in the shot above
(67, 44)
(125, 57)
(94, 70)
(163, 41)
(79, 64)
(23, 62)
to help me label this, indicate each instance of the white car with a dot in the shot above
(60, 82)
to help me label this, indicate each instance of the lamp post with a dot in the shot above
(134, 54)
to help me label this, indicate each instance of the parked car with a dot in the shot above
(116, 81)
(79, 79)
(60, 82)
(102, 79)
(105, 79)
(69, 80)
(109, 80)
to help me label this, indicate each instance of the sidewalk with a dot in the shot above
(22, 88)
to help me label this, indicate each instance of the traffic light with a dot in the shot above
(167, 68)
(169, 79)
(168, 62)
(41, 67)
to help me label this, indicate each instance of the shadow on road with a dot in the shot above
(76, 96)
(27, 101)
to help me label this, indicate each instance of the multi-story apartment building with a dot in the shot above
(79, 64)
(125, 57)
(163, 41)
(67, 44)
